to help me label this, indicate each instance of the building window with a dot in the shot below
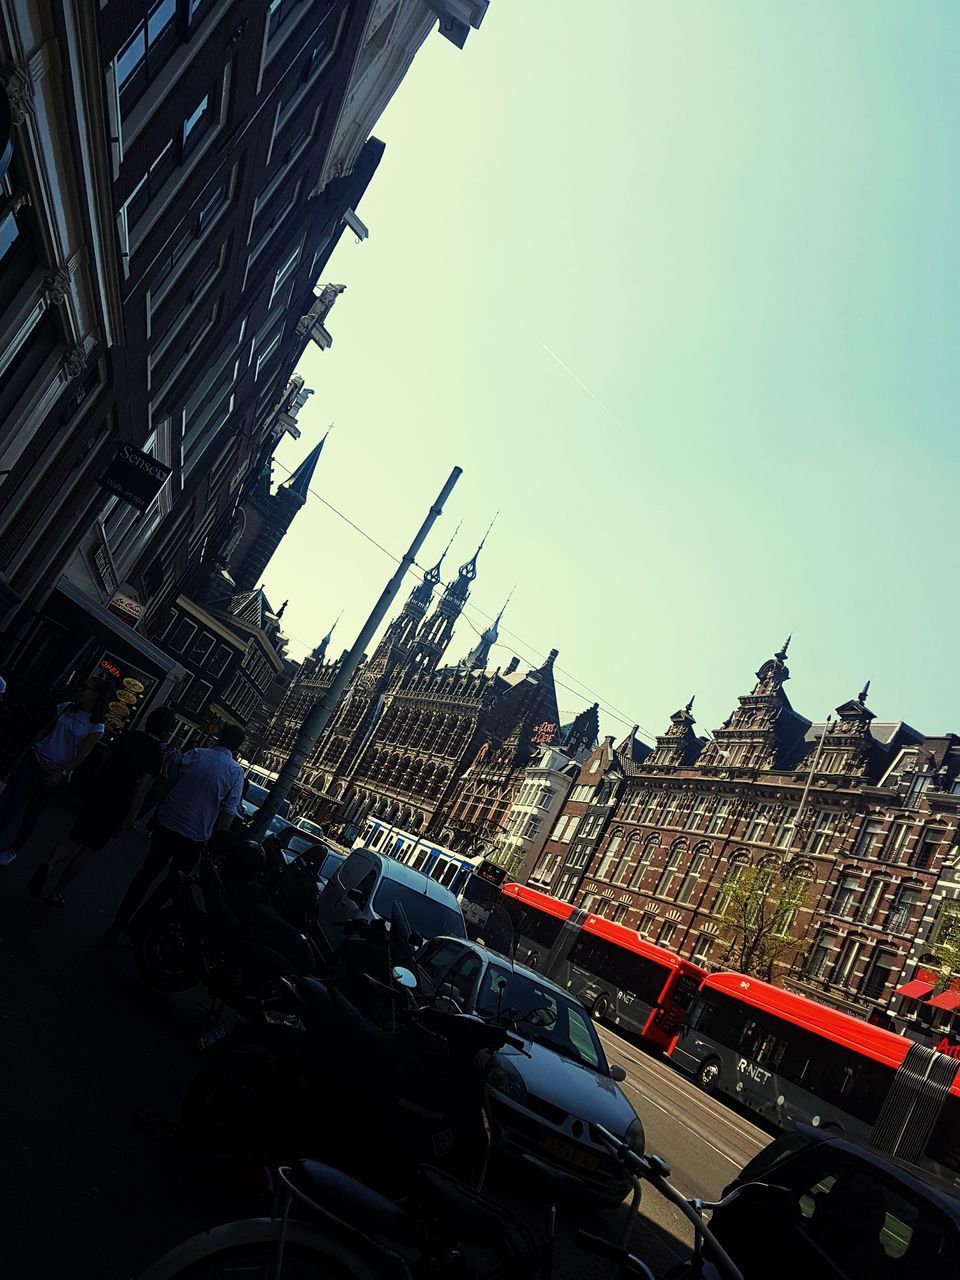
(608, 856)
(846, 961)
(884, 965)
(669, 873)
(702, 949)
(872, 897)
(823, 830)
(720, 815)
(645, 923)
(757, 829)
(892, 848)
(280, 14)
(903, 908)
(670, 809)
(267, 352)
(171, 157)
(841, 902)
(182, 635)
(285, 271)
(870, 828)
(819, 954)
(737, 869)
(690, 881)
(645, 855)
(200, 651)
(667, 931)
(619, 912)
(918, 785)
(926, 846)
(784, 834)
(196, 695)
(146, 53)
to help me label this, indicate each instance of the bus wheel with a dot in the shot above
(708, 1075)
(599, 1008)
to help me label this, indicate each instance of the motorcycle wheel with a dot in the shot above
(164, 958)
(247, 1100)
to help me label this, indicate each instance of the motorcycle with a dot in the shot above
(219, 928)
(422, 1079)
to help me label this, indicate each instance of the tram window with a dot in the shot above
(944, 1144)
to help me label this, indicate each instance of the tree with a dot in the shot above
(947, 947)
(759, 908)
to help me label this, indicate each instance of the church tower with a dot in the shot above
(399, 636)
(435, 634)
(267, 517)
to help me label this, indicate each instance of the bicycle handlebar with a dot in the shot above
(654, 1170)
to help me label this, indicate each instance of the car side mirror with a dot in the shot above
(618, 1074)
(404, 978)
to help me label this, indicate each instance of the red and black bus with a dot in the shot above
(621, 979)
(787, 1058)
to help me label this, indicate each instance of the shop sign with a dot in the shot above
(134, 476)
(125, 604)
(103, 561)
(950, 1047)
(131, 689)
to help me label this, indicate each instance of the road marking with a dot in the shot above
(697, 1133)
(663, 1075)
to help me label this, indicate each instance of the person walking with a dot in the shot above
(112, 801)
(204, 798)
(60, 746)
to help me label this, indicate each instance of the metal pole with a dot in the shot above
(318, 718)
(805, 794)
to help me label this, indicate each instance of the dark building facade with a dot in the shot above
(180, 172)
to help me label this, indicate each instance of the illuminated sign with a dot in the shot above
(490, 871)
(544, 734)
(132, 689)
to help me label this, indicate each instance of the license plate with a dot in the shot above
(211, 1037)
(571, 1154)
(284, 1020)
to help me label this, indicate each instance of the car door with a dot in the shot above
(335, 904)
(839, 1217)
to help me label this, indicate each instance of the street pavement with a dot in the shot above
(95, 1180)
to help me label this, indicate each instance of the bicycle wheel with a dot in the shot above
(248, 1251)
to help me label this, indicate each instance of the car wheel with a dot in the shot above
(598, 1009)
(708, 1074)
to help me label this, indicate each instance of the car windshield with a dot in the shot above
(330, 865)
(255, 794)
(556, 1022)
(426, 916)
(310, 828)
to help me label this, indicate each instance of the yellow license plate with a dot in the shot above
(572, 1155)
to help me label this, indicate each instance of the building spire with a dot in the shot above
(688, 707)
(782, 652)
(862, 695)
(479, 656)
(299, 482)
(320, 652)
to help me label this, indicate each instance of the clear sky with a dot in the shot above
(677, 284)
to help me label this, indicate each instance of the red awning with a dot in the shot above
(916, 989)
(946, 1000)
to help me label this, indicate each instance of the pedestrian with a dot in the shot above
(112, 801)
(60, 746)
(204, 798)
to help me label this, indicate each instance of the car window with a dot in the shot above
(437, 957)
(364, 887)
(353, 870)
(426, 916)
(863, 1225)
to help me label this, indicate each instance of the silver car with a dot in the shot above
(547, 1098)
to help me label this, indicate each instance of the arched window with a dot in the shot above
(646, 853)
(844, 893)
(737, 867)
(671, 869)
(694, 875)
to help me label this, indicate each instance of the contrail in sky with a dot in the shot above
(580, 383)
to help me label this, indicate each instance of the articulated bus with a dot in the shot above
(443, 865)
(787, 1058)
(638, 987)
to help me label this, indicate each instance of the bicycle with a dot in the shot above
(355, 1232)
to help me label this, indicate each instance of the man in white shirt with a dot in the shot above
(205, 798)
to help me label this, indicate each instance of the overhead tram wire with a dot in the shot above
(532, 650)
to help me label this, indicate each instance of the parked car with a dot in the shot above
(311, 828)
(834, 1207)
(367, 885)
(254, 797)
(546, 1097)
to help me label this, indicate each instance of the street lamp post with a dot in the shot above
(319, 717)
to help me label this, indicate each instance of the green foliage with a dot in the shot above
(947, 946)
(759, 909)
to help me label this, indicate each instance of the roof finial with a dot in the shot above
(487, 534)
(862, 695)
(688, 707)
(782, 652)
(282, 610)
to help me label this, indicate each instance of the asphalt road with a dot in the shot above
(95, 1180)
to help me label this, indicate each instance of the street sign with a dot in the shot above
(134, 476)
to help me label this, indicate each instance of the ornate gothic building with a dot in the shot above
(427, 743)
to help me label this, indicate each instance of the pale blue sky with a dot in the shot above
(736, 224)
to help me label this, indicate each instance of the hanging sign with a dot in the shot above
(134, 476)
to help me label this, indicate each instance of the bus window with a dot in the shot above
(534, 925)
(944, 1145)
(619, 967)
